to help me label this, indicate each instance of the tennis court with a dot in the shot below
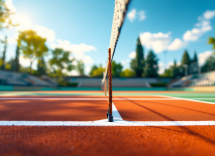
(68, 122)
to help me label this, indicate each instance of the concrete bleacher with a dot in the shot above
(204, 79)
(117, 82)
(20, 79)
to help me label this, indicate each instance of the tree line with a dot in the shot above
(51, 62)
(142, 66)
(58, 63)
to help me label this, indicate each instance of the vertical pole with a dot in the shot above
(110, 116)
(110, 80)
(105, 87)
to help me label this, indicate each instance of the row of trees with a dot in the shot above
(190, 65)
(31, 46)
(141, 67)
(187, 66)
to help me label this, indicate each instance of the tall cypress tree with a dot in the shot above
(175, 70)
(151, 67)
(41, 66)
(137, 64)
(195, 59)
(185, 59)
(16, 60)
(194, 64)
(4, 53)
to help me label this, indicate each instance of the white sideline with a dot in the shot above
(100, 99)
(115, 113)
(177, 98)
(106, 123)
(118, 121)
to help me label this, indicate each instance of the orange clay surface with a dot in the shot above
(108, 141)
(164, 110)
(105, 140)
(79, 96)
(53, 110)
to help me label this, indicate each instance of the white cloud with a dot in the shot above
(195, 33)
(45, 33)
(77, 50)
(132, 55)
(157, 41)
(203, 56)
(125, 62)
(26, 62)
(23, 20)
(177, 44)
(87, 69)
(13, 39)
(209, 14)
(1, 37)
(24, 23)
(73, 73)
(10, 6)
(203, 27)
(132, 15)
(161, 68)
(142, 15)
(87, 60)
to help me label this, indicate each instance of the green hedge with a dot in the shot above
(67, 84)
(158, 84)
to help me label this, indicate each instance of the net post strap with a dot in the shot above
(110, 80)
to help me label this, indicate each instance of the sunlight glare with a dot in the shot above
(23, 20)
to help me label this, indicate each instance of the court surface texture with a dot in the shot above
(74, 123)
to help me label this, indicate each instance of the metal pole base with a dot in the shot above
(110, 118)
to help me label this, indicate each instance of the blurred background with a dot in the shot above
(48, 45)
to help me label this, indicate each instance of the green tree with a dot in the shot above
(194, 64)
(211, 40)
(32, 46)
(60, 63)
(127, 73)
(16, 60)
(185, 59)
(175, 70)
(4, 53)
(116, 69)
(41, 66)
(80, 67)
(5, 15)
(185, 62)
(151, 67)
(94, 67)
(137, 64)
(97, 72)
(209, 64)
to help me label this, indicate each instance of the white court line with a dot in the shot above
(177, 98)
(106, 123)
(95, 99)
(118, 121)
(115, 113)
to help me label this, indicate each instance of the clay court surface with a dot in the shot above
(74, 123)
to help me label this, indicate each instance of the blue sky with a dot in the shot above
(84, 27)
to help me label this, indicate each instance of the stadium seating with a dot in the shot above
(205, 79)
(20, 79)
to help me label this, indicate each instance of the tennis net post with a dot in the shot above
(110, 116)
